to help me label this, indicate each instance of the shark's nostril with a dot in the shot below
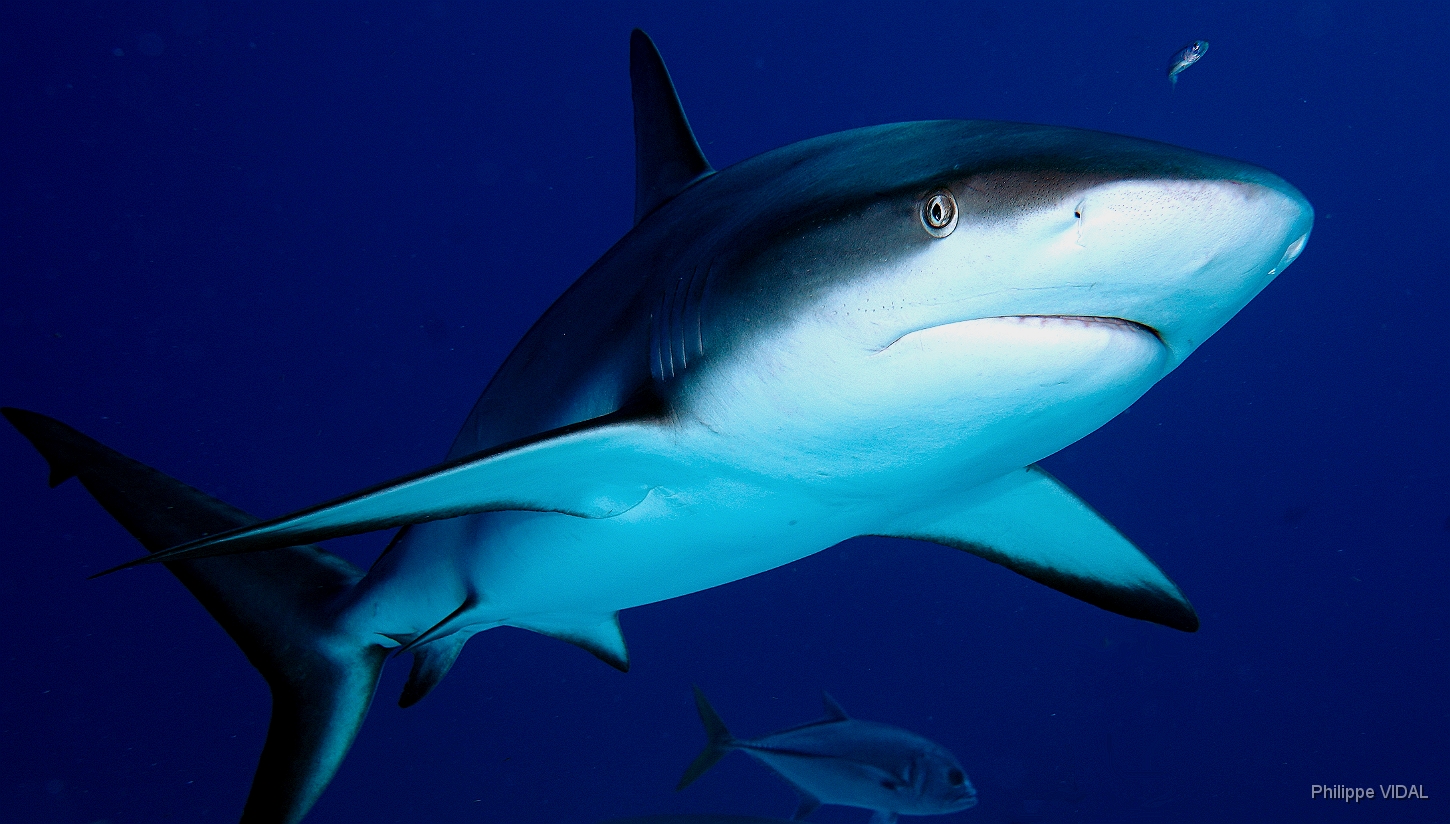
(1289, 254)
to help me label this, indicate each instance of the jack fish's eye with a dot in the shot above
(939, 213)
(956, 777)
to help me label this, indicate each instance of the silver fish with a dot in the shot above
(839, 760)
(1186, 57)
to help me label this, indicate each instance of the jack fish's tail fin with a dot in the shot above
(275, 605)
(720, 741)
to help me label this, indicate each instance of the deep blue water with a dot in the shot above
(277, 252)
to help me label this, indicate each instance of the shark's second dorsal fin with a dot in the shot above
(666, 156)
(833, 709)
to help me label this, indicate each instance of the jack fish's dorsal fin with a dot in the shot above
(666, 156)
(833, 710)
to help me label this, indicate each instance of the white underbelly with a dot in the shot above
(782, 460)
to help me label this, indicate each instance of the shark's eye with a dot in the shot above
(939, 213)
(956, 777)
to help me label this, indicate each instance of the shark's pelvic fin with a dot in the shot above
(666, 156)
(595, 469)
(599, 635)
(274, 606)
(882, 817)
(719, 741)
(1033, 525)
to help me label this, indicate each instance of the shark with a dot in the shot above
(842, 760)
(874, 332)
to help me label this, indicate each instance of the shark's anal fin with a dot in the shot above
(593, 469)
(882, 817)
(430, 663)
(598, 635)
(1032, 524)
(666, 156)
(274, 605)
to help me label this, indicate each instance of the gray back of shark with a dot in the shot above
(840, 760)
(877, 332)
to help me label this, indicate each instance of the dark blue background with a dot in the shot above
(277, 251)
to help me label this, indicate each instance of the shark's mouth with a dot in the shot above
(1099, 321)
(1094, 320)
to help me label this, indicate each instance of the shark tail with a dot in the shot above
(720, 741)
(275, 605)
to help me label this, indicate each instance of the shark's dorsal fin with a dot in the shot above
(666, 156)
(833, 710)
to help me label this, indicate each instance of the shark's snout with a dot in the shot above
(1188, 255)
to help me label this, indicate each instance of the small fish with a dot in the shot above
(839, 760)
(1186, 57)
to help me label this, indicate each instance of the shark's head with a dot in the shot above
(1087, 225)
(989, 272)
(915, 225)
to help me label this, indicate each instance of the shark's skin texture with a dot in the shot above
(842, 760)
(779, 356)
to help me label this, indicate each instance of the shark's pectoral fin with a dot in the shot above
(595, 469)
(599, 635)
(1032, 524)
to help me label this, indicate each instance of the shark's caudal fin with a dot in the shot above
(666, 156)
(719, 743)
(1035, 526)
(273, 604)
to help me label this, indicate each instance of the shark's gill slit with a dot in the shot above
(677, 317)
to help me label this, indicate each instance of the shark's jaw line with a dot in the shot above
(1087, 320)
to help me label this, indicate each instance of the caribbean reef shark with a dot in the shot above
(876, 332)
(840, 760)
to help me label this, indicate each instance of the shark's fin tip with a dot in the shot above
(1035, 526)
